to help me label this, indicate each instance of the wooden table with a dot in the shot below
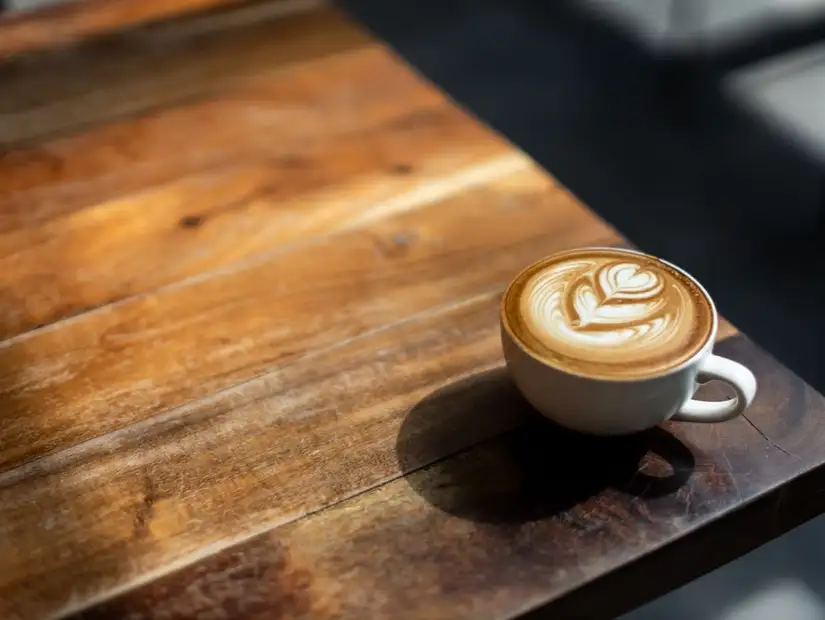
(250, 268)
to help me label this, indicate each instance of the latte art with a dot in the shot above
(617, 295)
(610, 312)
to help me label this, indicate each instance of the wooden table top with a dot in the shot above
(251, 363)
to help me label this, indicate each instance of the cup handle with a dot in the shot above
(734, 374)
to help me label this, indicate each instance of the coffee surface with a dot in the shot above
(608, 313)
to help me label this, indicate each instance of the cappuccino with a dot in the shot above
(608, 313)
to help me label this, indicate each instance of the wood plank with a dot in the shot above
(86, 376)
(281, 116)
(133, 245)
(510, 524)
(152, 69)
(71, 21)
(310, 433)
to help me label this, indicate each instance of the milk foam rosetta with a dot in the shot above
(612, 313)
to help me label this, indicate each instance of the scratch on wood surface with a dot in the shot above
(731, 473)
(766, 438)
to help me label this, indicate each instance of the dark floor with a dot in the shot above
(580, 101)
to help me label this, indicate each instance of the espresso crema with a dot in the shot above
(608, 313)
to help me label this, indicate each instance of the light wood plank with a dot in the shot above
(79, 378)
(136, 244)
(281, 116)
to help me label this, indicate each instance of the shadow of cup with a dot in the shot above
(476, 449)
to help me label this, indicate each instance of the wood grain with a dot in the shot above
(159, 69)
(507, 525)
(77, 379)
(310, 433)
(307, 434)
(282, 116)
(98, 255)
(356, 126)
(73, 20)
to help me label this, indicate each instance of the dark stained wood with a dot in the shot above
(508, 523)
(80, 259)
(250, 274)
(72, 20)
(774, 513)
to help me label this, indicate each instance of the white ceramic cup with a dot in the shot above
(620, 406)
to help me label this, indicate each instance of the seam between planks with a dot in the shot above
(419, 197)
(207, 167)
(24, 117)
(51, 463)
(232, 541)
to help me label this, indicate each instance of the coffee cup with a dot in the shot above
(610, 341)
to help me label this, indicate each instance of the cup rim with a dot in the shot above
(706, 345)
